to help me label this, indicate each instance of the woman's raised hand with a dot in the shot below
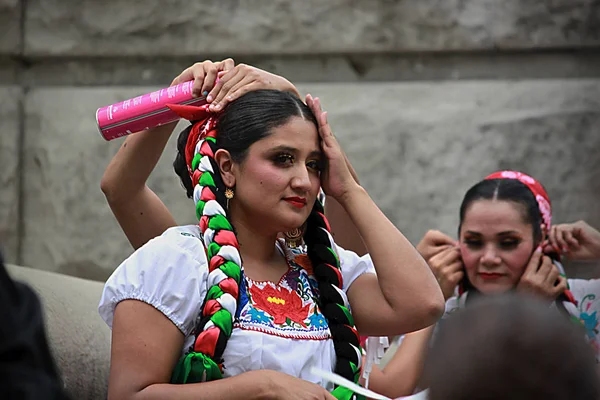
(336, 176)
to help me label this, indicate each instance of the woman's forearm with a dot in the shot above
(249, 385)
(401, 376)
(401, 271)
(343, 230)
(130, 168)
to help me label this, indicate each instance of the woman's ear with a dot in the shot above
(226, 167)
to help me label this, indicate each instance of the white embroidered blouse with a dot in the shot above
(278, 325)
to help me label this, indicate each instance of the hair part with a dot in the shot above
(510, 190)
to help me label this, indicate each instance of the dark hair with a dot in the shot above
(506, 190)
(245, 121)
(510, 347)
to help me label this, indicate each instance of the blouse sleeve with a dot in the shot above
(169, 273)
(353, 266)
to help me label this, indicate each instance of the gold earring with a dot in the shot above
(293, 238)
(229, 193)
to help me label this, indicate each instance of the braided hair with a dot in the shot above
(244, 122)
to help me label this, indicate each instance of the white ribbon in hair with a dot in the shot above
(230, 253)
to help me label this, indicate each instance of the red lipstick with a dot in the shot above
(297, 202)
(490, 276)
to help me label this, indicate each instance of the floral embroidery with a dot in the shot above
(280, 303)
(587, 318)
(318, 320)
(287, 309)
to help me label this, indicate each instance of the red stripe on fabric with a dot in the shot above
(327, 226)
(212, 132)
(354, 331)
(211, 307)
(230, 286)
(206, 342)
(275, 332)
(205, 150)
(339, 274)
(226, 238)
(207, 194)
(215, 263)
(570, 296)
(196, 177)
(204, 223)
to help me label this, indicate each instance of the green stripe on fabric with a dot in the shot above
(207, 179)
(196, 161)
(342, 393)
(232, 270)
(222, 319)
(348, 314)
(200, 209)
(193, 367)
(337, 260)
(213, 250)
(219, 222)
(214, 293)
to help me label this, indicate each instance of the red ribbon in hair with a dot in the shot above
(204, 126)
(536, 188)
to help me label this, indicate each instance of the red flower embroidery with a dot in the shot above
(280, 303)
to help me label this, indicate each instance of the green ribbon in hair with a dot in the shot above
(232, 270)
(194, 368)
(342, 393)
(196, 161)
(207, 180)
(219, 222)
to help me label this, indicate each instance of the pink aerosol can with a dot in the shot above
(145, 111)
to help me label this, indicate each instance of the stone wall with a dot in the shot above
(426, 96)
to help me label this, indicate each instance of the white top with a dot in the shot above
(587, 310)
(277, 326)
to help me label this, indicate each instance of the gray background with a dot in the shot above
(427, 97)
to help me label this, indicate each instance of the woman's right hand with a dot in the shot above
(283, 387)
(448, 269)
(233, 81)
(241, 79)
(204, 74)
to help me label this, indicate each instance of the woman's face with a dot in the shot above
(496, 244)
(279, 180)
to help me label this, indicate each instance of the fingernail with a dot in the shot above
(218, 107)
(539, 249)
(204, 93)
(209, 98)
(229, 97)
(565, 249)
(195, 93)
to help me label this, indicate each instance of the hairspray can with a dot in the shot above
(145, 111)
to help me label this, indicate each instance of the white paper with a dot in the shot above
(341, 381)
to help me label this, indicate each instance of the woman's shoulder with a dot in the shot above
(169, 272)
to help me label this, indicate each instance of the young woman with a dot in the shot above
(223, 299)
(506, 243)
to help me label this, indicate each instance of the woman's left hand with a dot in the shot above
(241, 79)
(336, 176)
(542, 278)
